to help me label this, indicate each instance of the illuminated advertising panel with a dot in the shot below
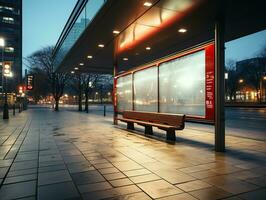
(30, 82)
(182, 85)
(146, 90)
(124, 93)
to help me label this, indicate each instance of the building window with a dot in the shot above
(6, 8)
(9, 49)
(9, 20)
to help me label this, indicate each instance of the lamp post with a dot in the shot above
(4, 86)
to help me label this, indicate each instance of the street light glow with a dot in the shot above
(264, 78)
(2, 42)
(182, 30)
(241, 81)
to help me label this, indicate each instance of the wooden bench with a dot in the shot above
(163, 121)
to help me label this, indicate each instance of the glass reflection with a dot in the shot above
(146, 90)
(182, 85)
(124, 93)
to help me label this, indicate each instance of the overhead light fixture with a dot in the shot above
(148, 48)
(147, 4)
(76, 68)
(125, 59)
(72, 72)
(116, 32)
(101, 45)
(182, 30)
(81, 64)
(89, 57)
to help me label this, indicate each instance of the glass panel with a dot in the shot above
(85, 17)
(146, 90)
(124, 93)
(182, 85)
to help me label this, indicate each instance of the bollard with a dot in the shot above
(19, 108)
(104, 110)
(14, 109)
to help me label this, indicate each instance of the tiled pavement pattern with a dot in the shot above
(70, 155)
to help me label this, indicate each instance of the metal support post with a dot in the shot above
(219, 79)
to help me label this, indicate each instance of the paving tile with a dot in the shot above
(158, 189)
(136, 196)
(51, 168)
(18, 190)
(24, 165)
(111, 193)
(94, 187)
(114, 176)
(144, 178)
(23, 178)
(137, 172)
(22, 172)
(53, 177)
(182, 196)
(210, 193)
(3, 171)
(87, 177)
(108, 170)
(256, 195)
(66, 190)
(193, 185)
(121, 182)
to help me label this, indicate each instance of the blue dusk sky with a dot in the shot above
(44, 20)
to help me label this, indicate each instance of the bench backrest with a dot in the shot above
(177, 120)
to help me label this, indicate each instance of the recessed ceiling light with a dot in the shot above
(89, 57)
(182, 30)
(147, 4)
(125, 59)
(101, 45)
(148, 48)
(72, 72)
(116, 31)
(81, 64)
(76, 68)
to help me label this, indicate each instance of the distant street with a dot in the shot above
(243, 122)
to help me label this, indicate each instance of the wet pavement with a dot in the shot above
(70, 155)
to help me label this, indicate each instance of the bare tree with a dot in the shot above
(231, 84)
(76, 85)
(89, 81)
(56, 81)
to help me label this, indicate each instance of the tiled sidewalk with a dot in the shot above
(71, 155)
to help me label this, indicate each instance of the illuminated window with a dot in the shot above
(9, 49)
(9, 20)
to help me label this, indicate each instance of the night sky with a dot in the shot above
(43, 21)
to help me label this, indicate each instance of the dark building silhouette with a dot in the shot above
(11, 31)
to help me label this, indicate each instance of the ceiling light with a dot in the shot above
(101, 45)
(72, 72)
(147, 4)
(89, 57)
(116, 31)
(76, 68)
(182, 30)
(125, 59)
(81, 64)
(148, 48)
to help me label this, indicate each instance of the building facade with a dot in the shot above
(11, 32)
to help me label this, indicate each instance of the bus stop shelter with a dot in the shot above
(116, 36)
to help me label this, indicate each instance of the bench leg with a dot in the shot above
(148, 130)
(130, 125)
(170, 135)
